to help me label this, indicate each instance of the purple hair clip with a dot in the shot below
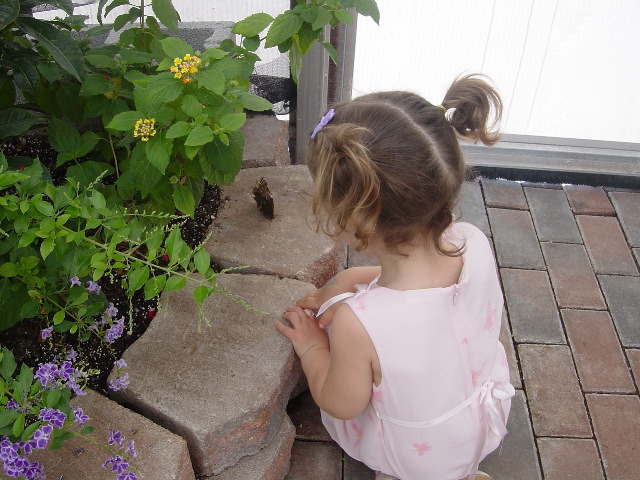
(323, 122)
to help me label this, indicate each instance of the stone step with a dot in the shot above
(266, 142)
(162, 455)
(224, 389)
(288, 245)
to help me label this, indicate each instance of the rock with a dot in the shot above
(266, 142)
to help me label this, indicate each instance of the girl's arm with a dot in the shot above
(342, 282)
(340, 380)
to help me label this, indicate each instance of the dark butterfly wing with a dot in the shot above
(263, 197)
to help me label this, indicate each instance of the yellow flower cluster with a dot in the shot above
(185, 67)
(145, 128)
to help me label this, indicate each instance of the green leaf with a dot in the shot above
(28, 432)
(295, 62)
(153, 286)
(158, 151)
(254, 102)
(8, 270)
(332, 51)
(64, 138)
(251, 43)
(46, 247)
(200, 135)
(252, 25)
(61, 47)
(232, 121)
(25, 74)
(191, 106)
(87, 172)
(45, 208)
(8, 364)
(322, 18)
(343, 16)
(175, 283)
(58, 317)
(211, 79)
(125, 121)
(178, 129)
(164, 88)
(132, 56)
(202, 260)
(176, 48)
(368, 8)
(9, 10)
(16, 121)
(7, 92)
(95, 84)
(201, 293)
(183, 200)
(166, 13)
(137, 278)
(18, 425)
(283, 27)
(101, 61)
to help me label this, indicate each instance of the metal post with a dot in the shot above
(343, 38)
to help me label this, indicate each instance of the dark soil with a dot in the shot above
(23, 339)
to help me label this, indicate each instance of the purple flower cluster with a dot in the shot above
(93, 287)
(53, 417)
(15, 464)
(119, 463)
(115, 331)
(46, 332)
(52, 376)
(79, 416)
(122, 380)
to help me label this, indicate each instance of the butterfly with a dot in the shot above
(263, 198)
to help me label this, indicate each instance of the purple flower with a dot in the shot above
(72, 356)
(75, 281)
(131, 450)
(66, 370)
(39, 439)
(115, 437)
(53, 417)
(115, 331)
(117, 463)
(93, 287)
(49, 375)
(119, 383)
(79, 417)
(110, 312)
(127, 476)
(13, 405)
(46, 332)
(120, 363)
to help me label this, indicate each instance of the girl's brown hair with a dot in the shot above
(390, 162)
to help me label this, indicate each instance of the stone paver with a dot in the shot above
(570, 459)
(270, 463)
(507, 341)
(315, 460)
(572, 277)
(515, 239)
(532, 307)
(636, 252)
(504, 194)
(616, 424)
(627, 205)
(162, 455)
(623, 297)
(552, 215)
(553, 391)
(597, 353)
(606, 245)
(471, 207)
(354, 470)
(266, 142)
(516, 458)
(587, 200)
(634, 359)
(305, 416)
(224, 389)
(241, 235)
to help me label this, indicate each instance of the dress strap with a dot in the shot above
(361, 289)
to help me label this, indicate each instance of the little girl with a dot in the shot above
(404, 359)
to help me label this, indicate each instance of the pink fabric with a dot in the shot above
(445, 394)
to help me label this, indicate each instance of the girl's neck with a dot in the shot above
(421, 266)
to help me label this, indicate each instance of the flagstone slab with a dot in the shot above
(223, 389)
(162, 455)
(288, 245)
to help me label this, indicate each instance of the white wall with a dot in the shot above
(565, 68)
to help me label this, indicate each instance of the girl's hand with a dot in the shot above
(304, 333)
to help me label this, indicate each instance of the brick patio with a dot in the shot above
(568, 259)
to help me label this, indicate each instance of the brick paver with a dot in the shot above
(553, 391)
(606, 245)
(570, 459)
(636, 252)
(587, 200)
(515, 239)
(616, 424)
(503, 193)
(572, 277)
(627, 205)
(507, 341)
(471, 207)
(597, 353)
(552, 215)
(623, 297)
(319, 460)
(633, 355)
(532, 307)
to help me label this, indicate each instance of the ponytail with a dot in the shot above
(347, 187)
(474, 102)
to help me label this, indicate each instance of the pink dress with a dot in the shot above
(444, 398)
